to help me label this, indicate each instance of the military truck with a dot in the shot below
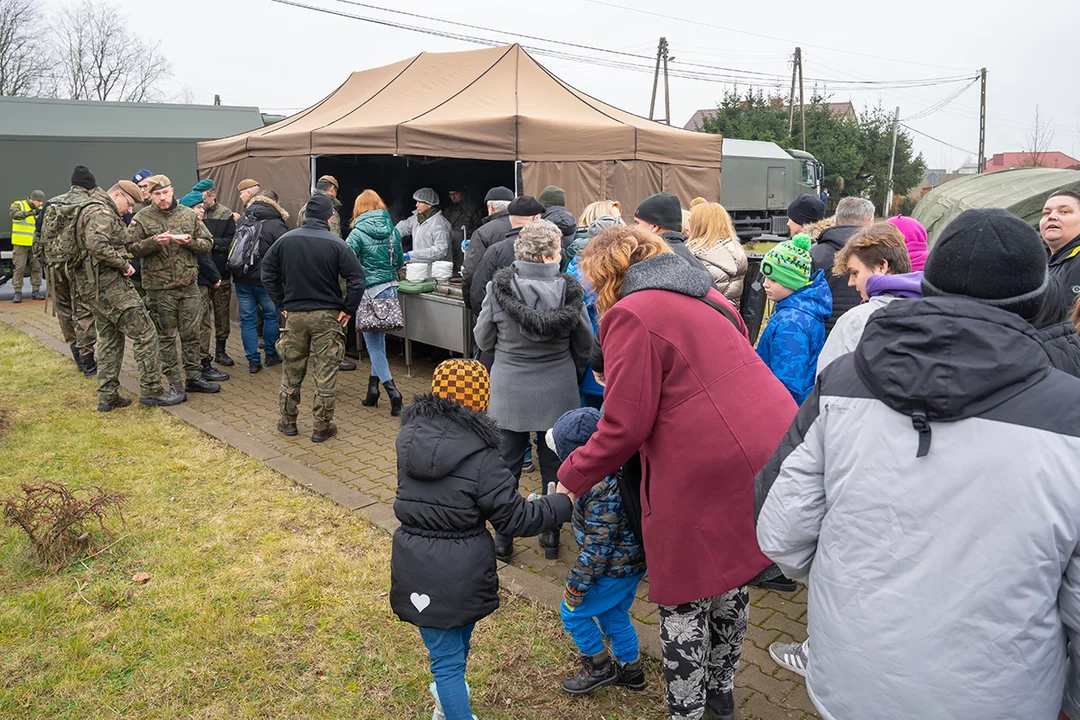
(760, 179)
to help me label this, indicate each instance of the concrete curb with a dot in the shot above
(522, 583)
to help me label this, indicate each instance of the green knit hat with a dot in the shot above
(789, 263)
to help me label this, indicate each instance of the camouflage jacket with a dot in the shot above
(335, 219)
(608, 545)
(20, 212)
(102, 235)
(165, 267)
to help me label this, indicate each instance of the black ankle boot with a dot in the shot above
(395, 398)
(550, 542)
(221, 357)
(631, 675)
(75, 354)
(597, 671)
(504, 547)
(720, 706)
(372, 399)
(89, 365)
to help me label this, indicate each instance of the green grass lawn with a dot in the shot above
(264, 602)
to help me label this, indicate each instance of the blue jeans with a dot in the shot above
(249, 298)
(376, 347)
(608, 603)
(449, 651)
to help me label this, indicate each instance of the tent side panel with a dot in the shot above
(631, 181)
(582, 181)
(687, 183)
(289, 177)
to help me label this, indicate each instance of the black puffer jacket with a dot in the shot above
(451, 479)
(823, 256)
(493, 230)
(498, 256)
(273, 227)
(562, 219)
(1062, 343)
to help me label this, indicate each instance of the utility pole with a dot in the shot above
(217, 99)
(802, 102)
(887, 211)
(667, 92)
(661, 53)
(982, 123)
(791, 98)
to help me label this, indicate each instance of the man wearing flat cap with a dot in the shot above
(429, 230)
(327, 185)
(167, 237)
(119, 312)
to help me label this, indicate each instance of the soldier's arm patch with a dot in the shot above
(105, 212)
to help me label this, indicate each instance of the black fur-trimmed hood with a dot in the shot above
(539, 323)
(437, 436)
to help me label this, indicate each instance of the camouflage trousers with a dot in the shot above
(318, 339)
(216, 303)
(177, 313)
(22, 255)
(72, 310)
(119, 313)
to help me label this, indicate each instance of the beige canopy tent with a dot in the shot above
(495, 105)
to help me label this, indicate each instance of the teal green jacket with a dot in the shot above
(378, 245)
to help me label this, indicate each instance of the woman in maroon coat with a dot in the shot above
(686, 389)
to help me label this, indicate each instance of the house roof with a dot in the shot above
(1006, 160)
(84, 119)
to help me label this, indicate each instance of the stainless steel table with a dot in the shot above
(435, 320)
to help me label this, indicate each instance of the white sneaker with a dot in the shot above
(438, 714)
(791, 656)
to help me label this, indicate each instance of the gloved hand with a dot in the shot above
(408, 257)
(571, 598)
(464, 245)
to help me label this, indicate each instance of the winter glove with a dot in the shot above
(407, 256)
(464, 245)
(571, 598)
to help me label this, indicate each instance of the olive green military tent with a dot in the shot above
(494, 116)
(1022, 191)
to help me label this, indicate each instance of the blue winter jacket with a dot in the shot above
(793, 339)
(588, 386)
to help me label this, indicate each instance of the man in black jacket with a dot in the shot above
(661, 214)
(300, 273)
(852, 215)
(523, 211)
(492, 230)
(1060, 228)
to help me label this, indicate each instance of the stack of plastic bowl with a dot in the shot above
(442, 270)
(416, 272)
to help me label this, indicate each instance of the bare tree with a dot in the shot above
(23, 67)
(1039, 141)
(100, 59)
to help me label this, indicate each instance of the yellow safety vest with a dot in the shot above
(22, 231)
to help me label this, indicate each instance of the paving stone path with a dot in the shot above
(358, 470)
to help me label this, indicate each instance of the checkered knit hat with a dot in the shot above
(464, 382)
(789, 263)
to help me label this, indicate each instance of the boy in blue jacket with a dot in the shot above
(793, 339)
(603, 582)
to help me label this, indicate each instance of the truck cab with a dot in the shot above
(758, 180)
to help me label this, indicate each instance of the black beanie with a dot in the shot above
(806, 209)
(319, 207)
(663, 210)
(82, 177)
(991, 256)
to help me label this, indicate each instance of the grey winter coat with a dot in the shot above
(534, 319)
(430, 240)
(928, 488)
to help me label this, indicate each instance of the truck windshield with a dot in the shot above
(809, 174)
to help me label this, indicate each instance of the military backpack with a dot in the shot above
(58, 227)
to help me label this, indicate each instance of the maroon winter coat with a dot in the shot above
(686, 388)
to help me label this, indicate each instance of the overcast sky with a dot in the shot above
(281, 58)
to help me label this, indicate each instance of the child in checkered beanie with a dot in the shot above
(451, 482)
(603, 582)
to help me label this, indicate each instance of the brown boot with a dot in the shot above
(323, 432)
(287, 426)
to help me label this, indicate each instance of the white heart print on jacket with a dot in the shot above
(420, 602)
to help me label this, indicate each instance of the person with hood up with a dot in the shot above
(915, 238)
(927, 492)
(553, 198)
(792, 341)
(661, 214)
(534, 320)
(686, 391)
(852, 214)
(602, 583)
(377, 243)
(429, 230)
(876, 263)
(452, 481)
(267, 217)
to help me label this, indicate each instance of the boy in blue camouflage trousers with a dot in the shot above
(604, 580)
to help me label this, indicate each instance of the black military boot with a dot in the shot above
(114, 404)
(165, 397)
(221, 357)
(211, 373)
(272, 360)
(75, 354)
(323, 432)
(254, 367)
(720, 706)
(395, 397)
(89, 365)
(597, 671)
(287, 426)
(631, 675)
(372, 399)
(199, 385)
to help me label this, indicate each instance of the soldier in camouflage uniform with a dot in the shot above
(327, 185)
(103, 277)
(167, 236)
(69, 305)
(219, 221)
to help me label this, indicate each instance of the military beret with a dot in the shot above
(131, 190)
(203, 186)
(140, 176)
(247, 184)
(192, 199)
(157, 182)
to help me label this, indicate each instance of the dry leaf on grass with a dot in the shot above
(141, 578)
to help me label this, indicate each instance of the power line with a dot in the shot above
(941, 105)
(931, 137)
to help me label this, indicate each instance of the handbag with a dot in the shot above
(380, 314)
